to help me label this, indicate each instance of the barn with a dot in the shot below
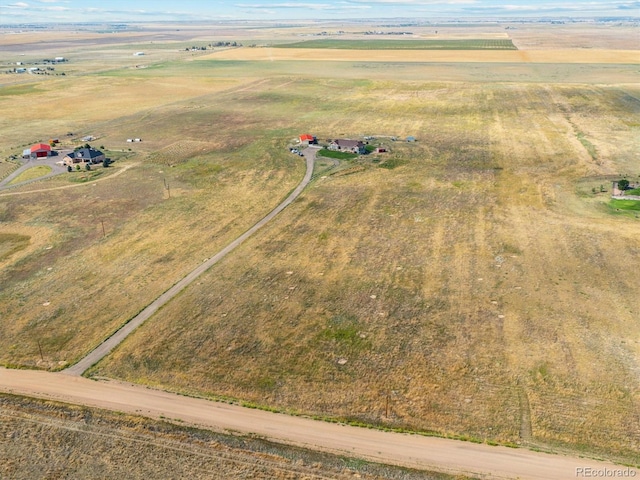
(40, 150)
(305, 138)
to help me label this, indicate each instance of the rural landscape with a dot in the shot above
(460, 260)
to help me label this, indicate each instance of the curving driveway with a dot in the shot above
(35, 162)
(118, 337)
(412, 451)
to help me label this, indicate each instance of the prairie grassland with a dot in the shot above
(469, 286)
(83, 105)
(74, 285)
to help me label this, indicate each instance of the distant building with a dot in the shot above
(344, 145)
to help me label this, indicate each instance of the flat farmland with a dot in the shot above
(377, 44)
(474, 284)
(445, 292)
(562, 56)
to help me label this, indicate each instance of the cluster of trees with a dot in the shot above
(225, 44)
(213, 45)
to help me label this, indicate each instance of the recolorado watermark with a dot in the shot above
(590, 472)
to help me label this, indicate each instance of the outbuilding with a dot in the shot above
(40, 150)
(305, 138)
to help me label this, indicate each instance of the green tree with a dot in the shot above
(87, 167)
(623, 184)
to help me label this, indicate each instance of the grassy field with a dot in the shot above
(31, 174)
(377, 44)
(466, 284)
(215, 191)
(451, 284)
(335, 154)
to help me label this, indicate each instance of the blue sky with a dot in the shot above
(28, 11)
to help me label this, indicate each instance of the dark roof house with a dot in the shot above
(87, 155)
(355, 146)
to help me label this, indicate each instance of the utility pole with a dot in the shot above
(104, 234)
(40, 348)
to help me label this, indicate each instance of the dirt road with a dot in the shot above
(118, 337)
(391, 448)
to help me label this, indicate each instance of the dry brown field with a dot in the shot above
(563, 56)
(474, 284)
(470, 284)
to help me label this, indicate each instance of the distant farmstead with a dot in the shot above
(40, 150)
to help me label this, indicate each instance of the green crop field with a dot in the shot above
(376, 44)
